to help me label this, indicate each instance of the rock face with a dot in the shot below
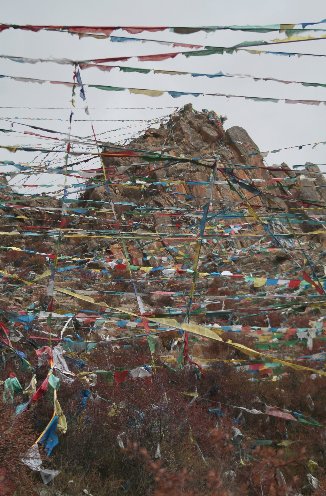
(189, 133)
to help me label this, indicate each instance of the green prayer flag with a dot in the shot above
(106, 374)
(134, 69)
(202, 53)
(152, 340)
(54, 381)
(106, 88)
(11, 387)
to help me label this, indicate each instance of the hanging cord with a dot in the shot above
(107, 188)
(198, 248)
(54, 265)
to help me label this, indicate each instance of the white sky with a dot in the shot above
(270, 125)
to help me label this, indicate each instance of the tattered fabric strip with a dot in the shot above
(89, 65)
(107, 30)
(174, 94)
(200, 331)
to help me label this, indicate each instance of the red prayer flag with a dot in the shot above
(41, 390)
(158, 57)
(141, 29)
(317, 287)
(121, 376)
(6, 331)
(294, 283)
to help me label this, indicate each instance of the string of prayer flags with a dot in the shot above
(105, 31)
(172, 93)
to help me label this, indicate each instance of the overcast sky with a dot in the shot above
(270, 125)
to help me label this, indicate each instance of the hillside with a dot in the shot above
(164, 332)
